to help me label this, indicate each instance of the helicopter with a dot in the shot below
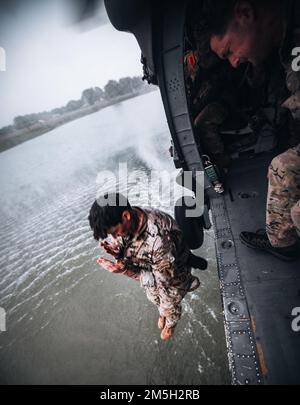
(260, 294)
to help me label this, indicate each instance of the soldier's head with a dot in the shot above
(243, 31)
(111, 214)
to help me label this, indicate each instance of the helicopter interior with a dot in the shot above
(246, 117)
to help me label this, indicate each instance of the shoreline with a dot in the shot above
(17, 137)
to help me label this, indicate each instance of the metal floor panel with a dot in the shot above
(270, 304)
(249, 214)
(271, 287)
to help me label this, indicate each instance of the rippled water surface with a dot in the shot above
(68, 321)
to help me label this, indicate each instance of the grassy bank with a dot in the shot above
(22, 135)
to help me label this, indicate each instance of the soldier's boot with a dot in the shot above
(260, 241)
(167, 333)
(161, 322)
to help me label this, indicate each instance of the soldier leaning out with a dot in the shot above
(237, 31)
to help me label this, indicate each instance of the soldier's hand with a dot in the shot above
(110, 248)
(112, 267)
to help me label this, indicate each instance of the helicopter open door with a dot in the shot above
(258, 292)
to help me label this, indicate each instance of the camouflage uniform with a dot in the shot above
(157, 256)
(209, 110)
(283, 207)
(214, 92)
(296, 216)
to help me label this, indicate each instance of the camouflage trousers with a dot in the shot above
(168, 299)
(283, 204)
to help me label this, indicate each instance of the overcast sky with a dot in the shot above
(49, 60)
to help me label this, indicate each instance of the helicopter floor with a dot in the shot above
(259, 291)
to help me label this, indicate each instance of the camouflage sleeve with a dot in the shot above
(163, 257)
(293, 104)
(129, 271)
(135, 275)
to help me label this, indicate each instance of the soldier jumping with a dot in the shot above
(148, 246)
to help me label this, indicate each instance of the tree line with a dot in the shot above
(89, 97)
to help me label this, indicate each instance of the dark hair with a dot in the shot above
(106, 212)
(217, 14)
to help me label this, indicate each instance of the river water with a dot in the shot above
(67, 320)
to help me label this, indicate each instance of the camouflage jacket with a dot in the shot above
(158, 250)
